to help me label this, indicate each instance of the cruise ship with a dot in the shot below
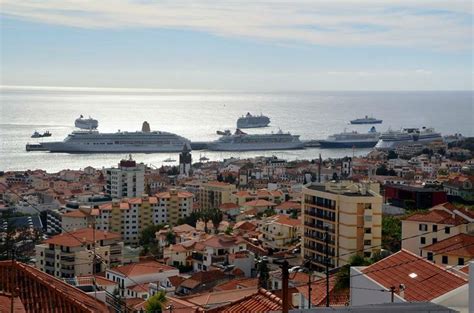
(391, 139)
(253, 121)
(92, 141)
(352, 140)
(86, 123)
(366, 120)
(241, 141)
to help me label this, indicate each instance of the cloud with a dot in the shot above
(431, 24)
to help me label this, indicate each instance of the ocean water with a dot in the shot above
(197, 114)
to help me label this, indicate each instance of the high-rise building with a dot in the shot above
(351, 213)
(213, 194)
(71, 254)
(127, 180)
(185, 161)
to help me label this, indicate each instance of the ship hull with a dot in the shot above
(355, 144)
(392, 144)
(61, 147)
(255, 147)
(366, 122)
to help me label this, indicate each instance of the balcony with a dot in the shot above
(197, 256)
(329, 216)
(319, 226)
(218, 258)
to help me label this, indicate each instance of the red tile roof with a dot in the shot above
(81, 236)
(258, 302)
(75, 213)
(288, 205)
(259, 203)
(238, 284)
(6, 302)
(285, 220)
(437, 216)
(228, 206)
(461, 244)
(431, 281)
(141, 268)
(201, 278)
(318, 292)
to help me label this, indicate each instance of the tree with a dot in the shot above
(263, 274)
(147, 236)
(381, 170)
(392, 155)
(228, 231)
(156, 302)
(216, 218)
(170, 238)
(391, 233)
(343, 277)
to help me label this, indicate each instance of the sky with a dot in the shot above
(287, 45)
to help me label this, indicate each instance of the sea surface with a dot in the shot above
(197, 114)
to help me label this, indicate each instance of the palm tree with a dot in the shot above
(156, 302)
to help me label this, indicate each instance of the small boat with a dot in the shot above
(169, 160)
(203, 159)
(86, 123)
(366, 120)
(38, 135)
(224, 133)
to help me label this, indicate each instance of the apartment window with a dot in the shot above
(447, 230)
(422, 240)
(444, 259)
(367, 254)
(434, 240)
(430, 256)
(368, 206)
(460, 261)
(368, 218)
(368, 230)
(423, 227)
(367, 242)
(435, 228)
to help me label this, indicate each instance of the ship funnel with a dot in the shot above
(145, 127)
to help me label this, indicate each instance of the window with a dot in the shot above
(435, 228)
(368, 230)
(447, 230)
(367, 254)
(422, 240)
(430, 256)
(444, 259)
(367, 242)
(423, 227)
(434, 240)
(368, 218)
(460, 261)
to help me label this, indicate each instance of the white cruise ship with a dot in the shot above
(92, 141)
(392, 139)
(86, 123)
(241, 141)
(253, 121)
(351, 140)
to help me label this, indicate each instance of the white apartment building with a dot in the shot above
(127, 180)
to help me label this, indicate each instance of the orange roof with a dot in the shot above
(242, 193)
(141, 268)
(219, 297)
(217, 183)
(245, 225)
(438, 216)
(285, 220)
(81, 236)
(99, 280)
(134, 200)
(75, 213)
(228, 206)
(318, 292)
(183, 228)
(288, 205)
(259, 301)
(139, 287)
(181, 194)
(222, 241)
(6, 302)
(238, 284)
(259, 203)
(460, 244)
(431, 280)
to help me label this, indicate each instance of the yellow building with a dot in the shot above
(351, 213)
(213, 194)
(455, 250)
(280, 231)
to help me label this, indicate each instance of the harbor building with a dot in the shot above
(213, 194)
(127, 180)
(68, 255)
(351, 213)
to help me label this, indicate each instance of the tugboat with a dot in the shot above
(253, 121)
(366, 120)
(38, 135)
(224, 133)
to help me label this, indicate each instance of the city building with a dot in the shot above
(437, 224)
(129, 216)
(127, 180)
(351, 213)
(280, 232)
(460, 188)
(414, 197)
(455, 250)
(213, 194)
(133, 279)
(412, 279)
(72, 254)
(37, 291)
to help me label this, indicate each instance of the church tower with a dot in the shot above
(185, 161)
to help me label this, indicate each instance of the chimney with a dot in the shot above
(401, 289)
